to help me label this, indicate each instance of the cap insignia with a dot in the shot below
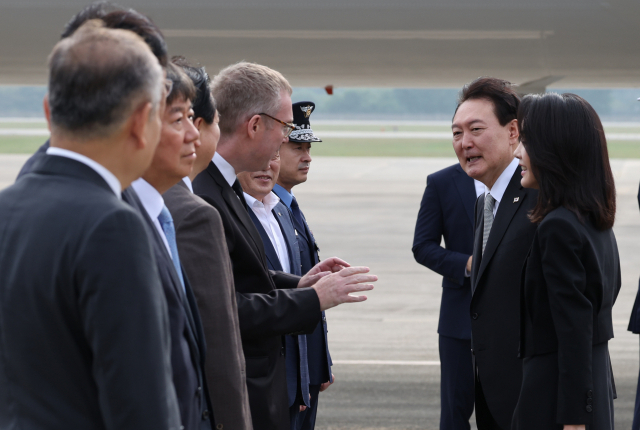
(307, 110)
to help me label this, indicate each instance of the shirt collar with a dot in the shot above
(227, 170)
(150, 198)
(187, 182)
(108, 177)
(498, 189)
(269, 202)
(285, 196)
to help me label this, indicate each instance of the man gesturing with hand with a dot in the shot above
(255, 115)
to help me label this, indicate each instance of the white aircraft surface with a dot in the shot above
(398, 43)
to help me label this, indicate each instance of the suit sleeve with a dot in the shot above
(428, 234)
(572, 314)
(124, 315)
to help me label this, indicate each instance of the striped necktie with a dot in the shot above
(489, 203)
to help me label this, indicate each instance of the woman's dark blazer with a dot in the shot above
(571, 281)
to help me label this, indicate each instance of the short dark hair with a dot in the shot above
(498, 91)
(204, 105)
(115, 16)
(96, 78)
(182, 85)
(565, 141)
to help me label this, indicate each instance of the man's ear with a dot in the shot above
(47, 110)
(198, 122)
(514, 133)
(254, 125)
(138, 124)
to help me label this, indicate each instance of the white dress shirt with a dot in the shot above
(479, 187)
(498, 189)
(227, 170)
(188, 183)
(153, 203)
(262, 209)
(108, 177)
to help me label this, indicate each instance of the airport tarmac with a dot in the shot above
(385, 349)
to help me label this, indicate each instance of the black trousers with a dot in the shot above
(307, 419)
(456, 383)
(484, 419)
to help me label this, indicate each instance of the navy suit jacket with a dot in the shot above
(295, 345)
(318, 355)
(446, 212)
(634, 321)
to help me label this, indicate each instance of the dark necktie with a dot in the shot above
(297, 214)
(239, 192)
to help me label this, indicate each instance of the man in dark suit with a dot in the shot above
(446, 212)
(485, 134)
(172, 161)
(255, 111)
(275, 225)
(634, 327)
(113, 17)
(205, 257)
(85, 335)
(295, 161)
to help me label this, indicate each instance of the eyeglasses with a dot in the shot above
(288, 127)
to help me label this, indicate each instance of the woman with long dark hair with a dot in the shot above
(572, 276)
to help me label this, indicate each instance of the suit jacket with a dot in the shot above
(205, 258)
(446, 212)
(634, 321)
(318, 356)
(269, 304)
(295, 345)
(39, 154)
(85, 336)
(571, 281)
(495, 301)
(187, 337)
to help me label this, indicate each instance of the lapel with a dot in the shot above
(130, 196)
(466, 189)
(236, 205)
(506, 210)
(284, 218)
(269, 250)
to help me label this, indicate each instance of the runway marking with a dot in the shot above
(388, 362)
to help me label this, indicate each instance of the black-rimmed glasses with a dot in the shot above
(288, 127)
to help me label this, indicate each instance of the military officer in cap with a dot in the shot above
(295, 160)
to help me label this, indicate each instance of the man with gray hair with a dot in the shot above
(85, 336)
(255, 119)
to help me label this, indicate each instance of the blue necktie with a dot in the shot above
(166, 222)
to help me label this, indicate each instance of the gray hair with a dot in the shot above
(245, 89)
(98, 77)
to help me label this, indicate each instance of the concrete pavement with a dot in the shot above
(386, 351)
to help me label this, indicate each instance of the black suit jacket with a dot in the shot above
(446, 212)
(571, 281)
(187, 337)
(495, 301)
(269, 304)
(85, 337)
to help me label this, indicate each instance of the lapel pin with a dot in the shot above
(279, 214)
(516, 199)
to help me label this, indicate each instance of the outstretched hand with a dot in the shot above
(322, 269)
(335, 289)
